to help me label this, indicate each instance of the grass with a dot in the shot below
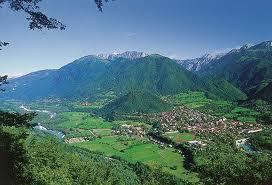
(243, 115)
(180, 137)
(78, 124)
(134, 149)
(80, 120)
(190, 99)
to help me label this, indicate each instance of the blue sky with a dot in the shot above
(175, 28)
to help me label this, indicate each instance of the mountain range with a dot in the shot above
(236, 75)
(196, 64)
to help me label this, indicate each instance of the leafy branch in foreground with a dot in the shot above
(37, 19)
(16, 119)
(3, 80)
(3, 44)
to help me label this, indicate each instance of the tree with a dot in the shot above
(3, 80)
(13, 119)
(37, 19)
(2, 44)
(16, 119)
(222, 162)
(13, 156)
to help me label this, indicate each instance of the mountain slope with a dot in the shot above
(59, 83)
(90, 76)
(136, 102)
(197, 64)
(161, 75)
(37, 84)
(265, 93)
(248, 68)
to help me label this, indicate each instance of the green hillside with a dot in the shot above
(248, 68)
(35, 158)
(136, 102)
(90, 76)
(153, 73)
(160, 75)
(265, 93)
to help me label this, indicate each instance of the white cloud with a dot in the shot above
(131, 34)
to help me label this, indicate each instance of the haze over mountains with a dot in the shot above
(247, 70)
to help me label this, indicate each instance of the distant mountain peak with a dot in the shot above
(263, 45)
(197, 63)
(246, 46)
(127, 55)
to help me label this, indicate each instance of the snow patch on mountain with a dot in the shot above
(127, 55)
(198, 63)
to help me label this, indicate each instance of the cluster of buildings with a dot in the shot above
(75, 140)
(183, 118)
(131, 130)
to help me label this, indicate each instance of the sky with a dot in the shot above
(178, 29)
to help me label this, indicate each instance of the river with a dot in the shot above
(51, 114)
(39, 127)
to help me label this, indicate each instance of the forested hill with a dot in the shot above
(136, 102)
(91, 75)
(248, 68)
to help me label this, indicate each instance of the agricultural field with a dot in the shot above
(142, 150)
(101, 132)
(80, 120)
(179, 137)
(243, 114)
(78, 124)
(190, 99)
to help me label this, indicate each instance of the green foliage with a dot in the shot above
(265, 93)
(223, 163)
(13, 156)
(263, 108)
(78, 124)
(88, 77)
(243, 114)
(56, 163)
(149, 176)
(140, 150)
(262, 140)
(249, 69)
(135, 102)
(15, 119)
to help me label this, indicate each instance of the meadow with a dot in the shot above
(142, 150)
(179, 137)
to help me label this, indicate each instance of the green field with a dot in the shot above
(102, 132)
(190, 99)
(243, 115)
(77, 124)
(133, 150)
(179, 137)
(80, 120)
